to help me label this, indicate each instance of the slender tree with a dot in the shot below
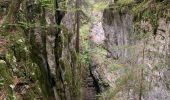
(78, 26)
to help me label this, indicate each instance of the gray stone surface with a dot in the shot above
(145, 58)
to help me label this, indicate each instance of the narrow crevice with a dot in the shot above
(90, 87)
(95, 82)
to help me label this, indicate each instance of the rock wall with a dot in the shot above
(134, 65)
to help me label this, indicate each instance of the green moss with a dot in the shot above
(41, 83)
(30, 95)
(147, 10)
(100, 5)
(76, 72)
(6, 81)
(74, 56)
(67, 72)
(150, 11)
(124, 2)
(5, 73)
(119, 85)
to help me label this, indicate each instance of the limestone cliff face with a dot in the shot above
(155, 60)
(134, 65)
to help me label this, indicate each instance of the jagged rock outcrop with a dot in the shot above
(44, 26)
(135, 65)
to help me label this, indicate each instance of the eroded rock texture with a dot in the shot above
(134, 66)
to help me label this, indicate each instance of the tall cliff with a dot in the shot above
(129, 55)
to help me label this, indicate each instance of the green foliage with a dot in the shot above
(25, 68)
(100, 6)
(30, 95)
(48, 4)
(141, 34)
(159, 66)
(124, 2)
(84, 43)
(45, 3)
(24, 25)
(150, 11)
(67, 72)
(147, 10)
(6, 81)
(76, 74)
(5, 74)
(17, 63)
(119, 85)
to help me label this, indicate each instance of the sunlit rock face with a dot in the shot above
(97, 31)
(145, 59)
(156, 67)
(117, 28)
